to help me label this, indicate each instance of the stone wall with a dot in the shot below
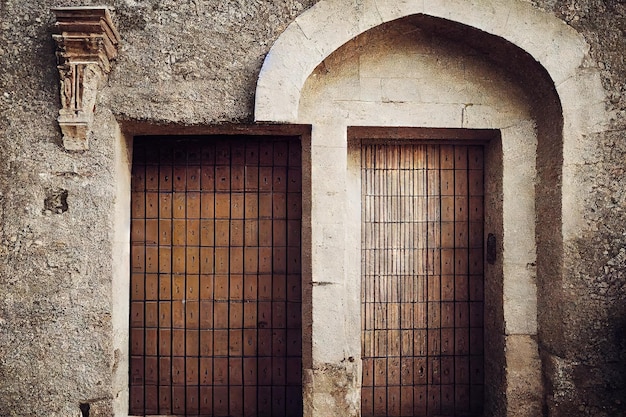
(585, 354)
(196, 62)
(188, 62)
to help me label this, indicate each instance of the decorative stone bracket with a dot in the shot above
(86, 43)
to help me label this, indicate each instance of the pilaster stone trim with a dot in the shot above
(87, 42)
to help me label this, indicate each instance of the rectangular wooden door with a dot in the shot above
(422, 280)
(215, 326)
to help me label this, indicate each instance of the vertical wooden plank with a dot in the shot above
(447, 181)
(461, 370)
(447, 400)
(151, 395)
(278, 400)
(220, 290)
(137, 370)
(192, 342)
(264, 400)
(380, 372)
(237, 177)
(236, 232)
(235, 405)
(250, 400)
(150, 344)
(293, 371)
(475, 181)
(220, 371)
(178, 400)
(220, 400)
(447, 341)
(250, 368)
(476, 399)
(264, 371)
(165, 399)
(461, 398)
(279, 338)
(192, 399)
(178, 371)
(461, 341)
(178, 342)
(191, 371)
(207, 343)
(393, 371)
(367, 401)
(137, 287)
(406, 400)
(220, 342)
(380, 401)
(476, 314)
(420, 400)
(235, 371)
(447, 370)
(394, 401)
(165, 341)
(235, 340)
(294, 401)
(206, 400)
(476, 341)
(447, 155)
(434, 400)
(368, 372)
(205, 372)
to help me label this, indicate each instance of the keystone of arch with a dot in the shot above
(322, 29)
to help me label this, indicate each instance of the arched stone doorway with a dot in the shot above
(441, 65)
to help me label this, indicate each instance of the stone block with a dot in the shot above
(477, 116)
(395, 64)
(371, 89)
(520, 300)
(584, 112)
(490, 16)
(524, 379)
(400, 90)
(328, 321)
(285, 69)
(391, 10)
(328, 25)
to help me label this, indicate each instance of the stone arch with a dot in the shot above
(322, 29)
(571, 92)
(561, 51)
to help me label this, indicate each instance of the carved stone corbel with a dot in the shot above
(86, 43)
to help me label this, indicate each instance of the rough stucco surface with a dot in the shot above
(196, 62)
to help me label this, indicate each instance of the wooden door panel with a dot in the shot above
(422, 283)
(216, 281)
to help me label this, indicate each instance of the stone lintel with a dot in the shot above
(86, 41)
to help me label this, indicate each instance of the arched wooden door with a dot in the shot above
(422, 280)
(215, 326)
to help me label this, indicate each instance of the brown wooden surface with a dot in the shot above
(422, 279)
(216, 282)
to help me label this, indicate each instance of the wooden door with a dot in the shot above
(215, 327)
(422, 280)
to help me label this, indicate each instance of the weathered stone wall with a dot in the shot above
(191, 62)
(585, 355)
(196, 62)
